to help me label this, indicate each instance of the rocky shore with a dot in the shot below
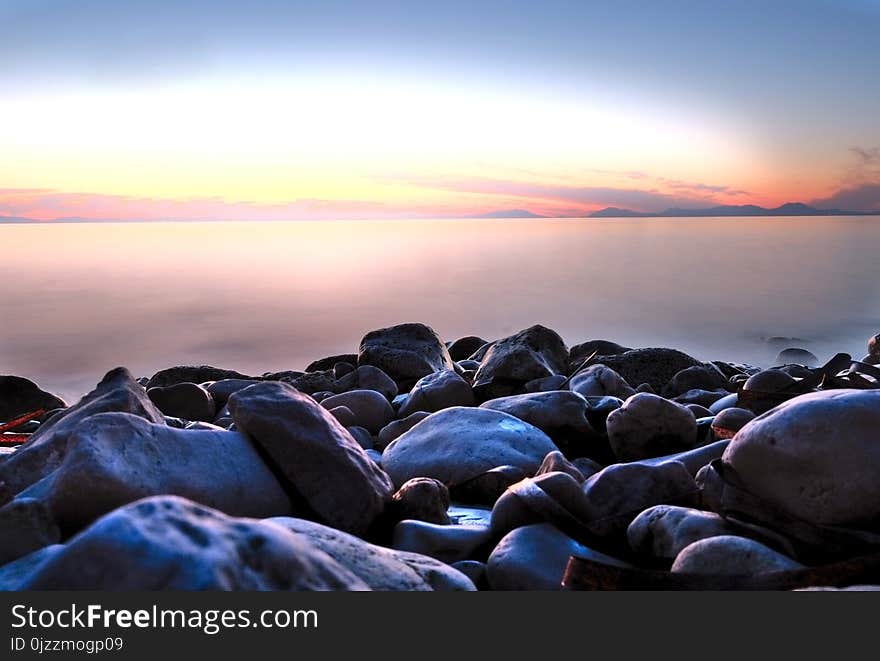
(419, 464)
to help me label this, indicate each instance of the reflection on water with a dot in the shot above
(78, 299)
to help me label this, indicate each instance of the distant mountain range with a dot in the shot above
(509, 213)
(788, 209)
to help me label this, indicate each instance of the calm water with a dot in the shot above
(79, 299)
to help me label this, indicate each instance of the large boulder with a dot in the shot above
(561, 414)
(367, 377)
(437, 391)
(45, 449)
(191, 374)
(19, 396)
(460, 443)
(379, 567)
(113, 459)
(584, 350)
(650, 426)
(170, 543)
(510, 363)
(371, 410)
(654, 366)
(534, 557)
(397, 427)
(731, 555)
(406, 352)
(663, 531)
(328, 472)
(464, 347)
(26, 525)
(816, 457)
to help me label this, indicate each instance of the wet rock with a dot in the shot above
(650, 426)
(406, 352)
(545, 384)
(555, 462)
(170, 543)
(728, 554)
(509, 363)
(769, 381)
(221, 390)
(704, 398)
(511, 511)
(112, 459)
(191, 374)
(816, 457)
(46, 448)
(534, 558)
(796, 356)
(380, 568)
(344, 415)
(371, 410)
(618, 493)
(698, 377)
(699, 411)
(459, 443)
(729, 421)
(19, 396)
(600, 381)
(655, 366)
(367, 377)
(26, 525)
(560, 414)
(486, 488)
(437, 391)
(324, 364)
(323, 465)
(397, 427)
(663, 531)
(189, 401)
(361, 435)
(598, 410)
(421, 499)
(464, 347)
(730, 401)
(445, 543)
(587, 466)
(465, 367)
(692, 460)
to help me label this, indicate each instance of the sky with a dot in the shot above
(271, 109)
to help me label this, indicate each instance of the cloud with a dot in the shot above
(860, 187)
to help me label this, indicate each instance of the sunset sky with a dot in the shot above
(212, 109)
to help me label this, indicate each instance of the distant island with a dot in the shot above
(787, 209)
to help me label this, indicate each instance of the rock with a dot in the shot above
(221, 390)
(532, 353)
(534, 558)
(380, 568)
(598, 410)
(14, 574)
(555, 462)
(464, 367)
(285, 375)
(545, 384)
(769, 381)
(324, 466)
(189, 401)
(45, 449)
(464, 347)
(112, 459)
(367, 377)
(873, 357)
(26, 525)
(191, 374)
(421, 499)
(314, 382)
(615, 495)
(650, 426)
(815, 457)
(438, 391)
(699, 411)
(361, 435)
(19, 396)
(341, 369)
(444, 542)
(170, 543)
(459, 443)
(731, 555)
(560, 414)
(663, 531)
(727, 402)
(587, 466)
(655, 367)
(729, 421)
(795, 356)
(693, 460)
(511, 511)
(486, 488)
(797, 371)
(600, 381)
(581, 352)
(473, 569)
(397, 427)
(344, 415)
(371, 410)
(324, 364)
(698, 377)
(406, 352)
(704, 398)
